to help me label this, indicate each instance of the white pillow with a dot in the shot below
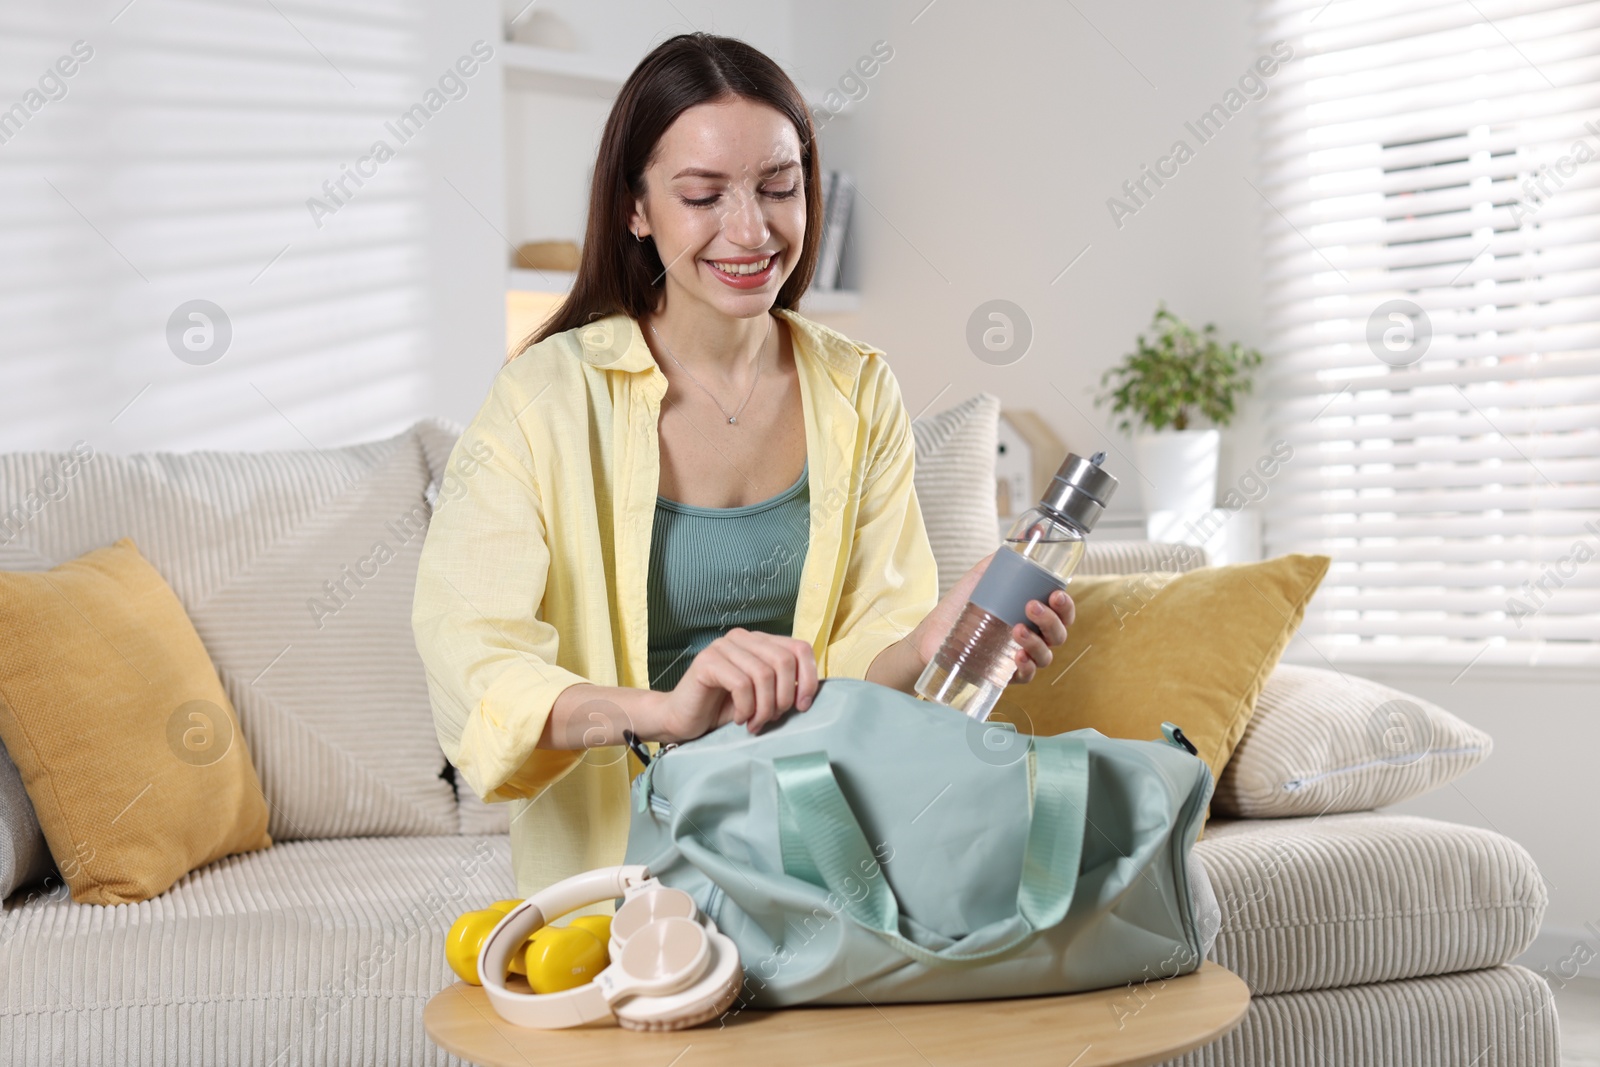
(954, 477)
(1319, 742)
(24, 856)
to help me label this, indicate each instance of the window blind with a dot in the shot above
(1431, 178)
(184, 158)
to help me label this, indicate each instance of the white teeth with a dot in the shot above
(742, 268)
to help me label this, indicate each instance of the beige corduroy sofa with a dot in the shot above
(1367, 938)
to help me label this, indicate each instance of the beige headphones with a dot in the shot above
(671, 968)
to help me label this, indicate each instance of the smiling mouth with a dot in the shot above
(738, 269)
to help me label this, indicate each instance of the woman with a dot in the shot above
(682, 503)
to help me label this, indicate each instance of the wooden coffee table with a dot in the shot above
(1128, 1026)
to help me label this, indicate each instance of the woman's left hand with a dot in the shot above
(1052, 620)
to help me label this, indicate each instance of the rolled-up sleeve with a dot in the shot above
(491, 662)
(891, 580)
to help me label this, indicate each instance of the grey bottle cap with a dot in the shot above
(1080, 490)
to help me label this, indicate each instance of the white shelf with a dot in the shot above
(539, 281)
(529, 66)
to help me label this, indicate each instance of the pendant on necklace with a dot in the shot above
(733, 418)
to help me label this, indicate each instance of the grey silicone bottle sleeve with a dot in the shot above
(1009, 582)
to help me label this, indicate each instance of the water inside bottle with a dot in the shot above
(1045, 545)
(978, 658)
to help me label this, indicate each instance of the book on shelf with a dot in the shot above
(837, 195)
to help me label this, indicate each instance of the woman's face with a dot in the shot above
(725, 195)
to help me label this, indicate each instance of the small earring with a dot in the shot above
(636, 237)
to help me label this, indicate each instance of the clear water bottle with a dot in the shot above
(975, 662)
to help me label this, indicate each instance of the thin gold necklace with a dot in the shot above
(734, 418)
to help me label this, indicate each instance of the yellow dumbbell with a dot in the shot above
(598, 925)
(466, 938)
(564, 957)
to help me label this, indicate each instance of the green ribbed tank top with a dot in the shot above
(712, 569)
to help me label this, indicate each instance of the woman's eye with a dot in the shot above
(707, 201)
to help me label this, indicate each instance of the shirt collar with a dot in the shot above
(616, 342)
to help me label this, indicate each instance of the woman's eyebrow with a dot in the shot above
(701, 172)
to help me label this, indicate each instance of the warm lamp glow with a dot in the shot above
(525, 312)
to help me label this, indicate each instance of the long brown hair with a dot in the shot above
(616, 272)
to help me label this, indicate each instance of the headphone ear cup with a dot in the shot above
(707, 998)
(657, 902)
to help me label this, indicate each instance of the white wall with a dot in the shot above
(989, 145)
(1536, 788)
(465, 206)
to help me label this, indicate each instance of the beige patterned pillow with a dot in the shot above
(955, 484)
(1319, 742)
(438, 437)
(478, 816)
(1101, 556)
(297, 569)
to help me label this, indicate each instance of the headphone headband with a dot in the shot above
(573, 1007)
(643, 989)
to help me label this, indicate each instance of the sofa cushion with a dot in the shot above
(24, 856)
(308, 952)
(114, 715)
(1322, 741)
(1101, 556)
(1326, 901)
(954, 477)
(476, 815)
(297, 569)
(1497, 1017)
(1193, 649)
(437, 438)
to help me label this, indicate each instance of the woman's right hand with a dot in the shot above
(744, 676)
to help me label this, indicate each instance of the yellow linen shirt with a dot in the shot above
(533, 574)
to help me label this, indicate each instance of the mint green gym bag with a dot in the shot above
(880, 848)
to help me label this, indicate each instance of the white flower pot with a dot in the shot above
(1179, 469)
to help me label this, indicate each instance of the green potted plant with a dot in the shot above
(1167, 384)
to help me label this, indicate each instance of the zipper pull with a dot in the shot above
(1173, 735)
(631, 739)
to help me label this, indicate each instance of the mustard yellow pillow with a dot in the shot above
(1190, 648)
(114, 715)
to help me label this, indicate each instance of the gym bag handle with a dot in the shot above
(823, 843)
